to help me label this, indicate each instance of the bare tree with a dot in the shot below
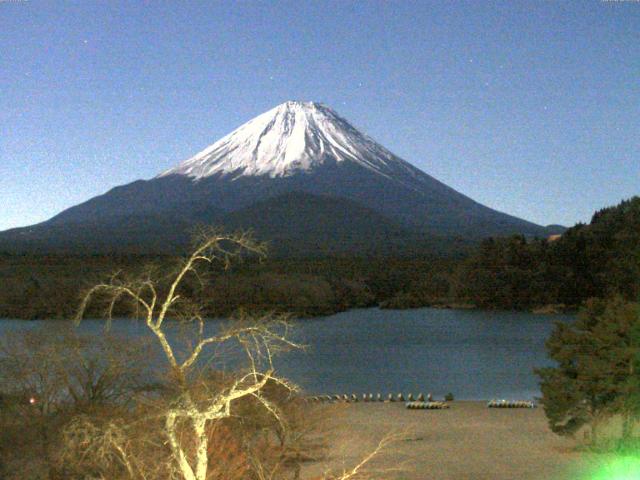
(197, 406)
(259, 337)
(49, 375)
(363, 470)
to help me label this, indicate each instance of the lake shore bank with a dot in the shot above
(551, 309)
(466, 441)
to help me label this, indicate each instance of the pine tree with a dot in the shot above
(631, 390)
(597, 368)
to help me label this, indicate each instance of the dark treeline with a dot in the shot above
(50, 286)
(600, 259)
(595, 260)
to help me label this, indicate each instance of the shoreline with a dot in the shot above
(546, 310)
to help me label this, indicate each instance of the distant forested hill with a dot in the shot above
(595, 260)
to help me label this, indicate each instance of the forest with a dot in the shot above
(598, 259)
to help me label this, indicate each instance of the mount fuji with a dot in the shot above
(300, 174)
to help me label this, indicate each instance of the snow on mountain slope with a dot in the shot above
(290, 138)
(297, 148)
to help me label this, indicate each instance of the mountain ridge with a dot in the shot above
(295, 147)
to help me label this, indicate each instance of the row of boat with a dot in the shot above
(419, 402)
(511, 404)
(368, 397)
(426, 405)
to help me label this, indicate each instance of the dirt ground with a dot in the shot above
(466, 442)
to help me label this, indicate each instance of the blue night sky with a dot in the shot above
(532, 108)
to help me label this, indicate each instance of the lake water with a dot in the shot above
(476, 355)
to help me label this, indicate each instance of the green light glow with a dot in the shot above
(619, 468)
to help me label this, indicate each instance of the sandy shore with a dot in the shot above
(467, 441)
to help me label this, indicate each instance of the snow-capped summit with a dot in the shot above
(290, 138)
(298, 172)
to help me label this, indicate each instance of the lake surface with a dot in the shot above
(476, 355)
